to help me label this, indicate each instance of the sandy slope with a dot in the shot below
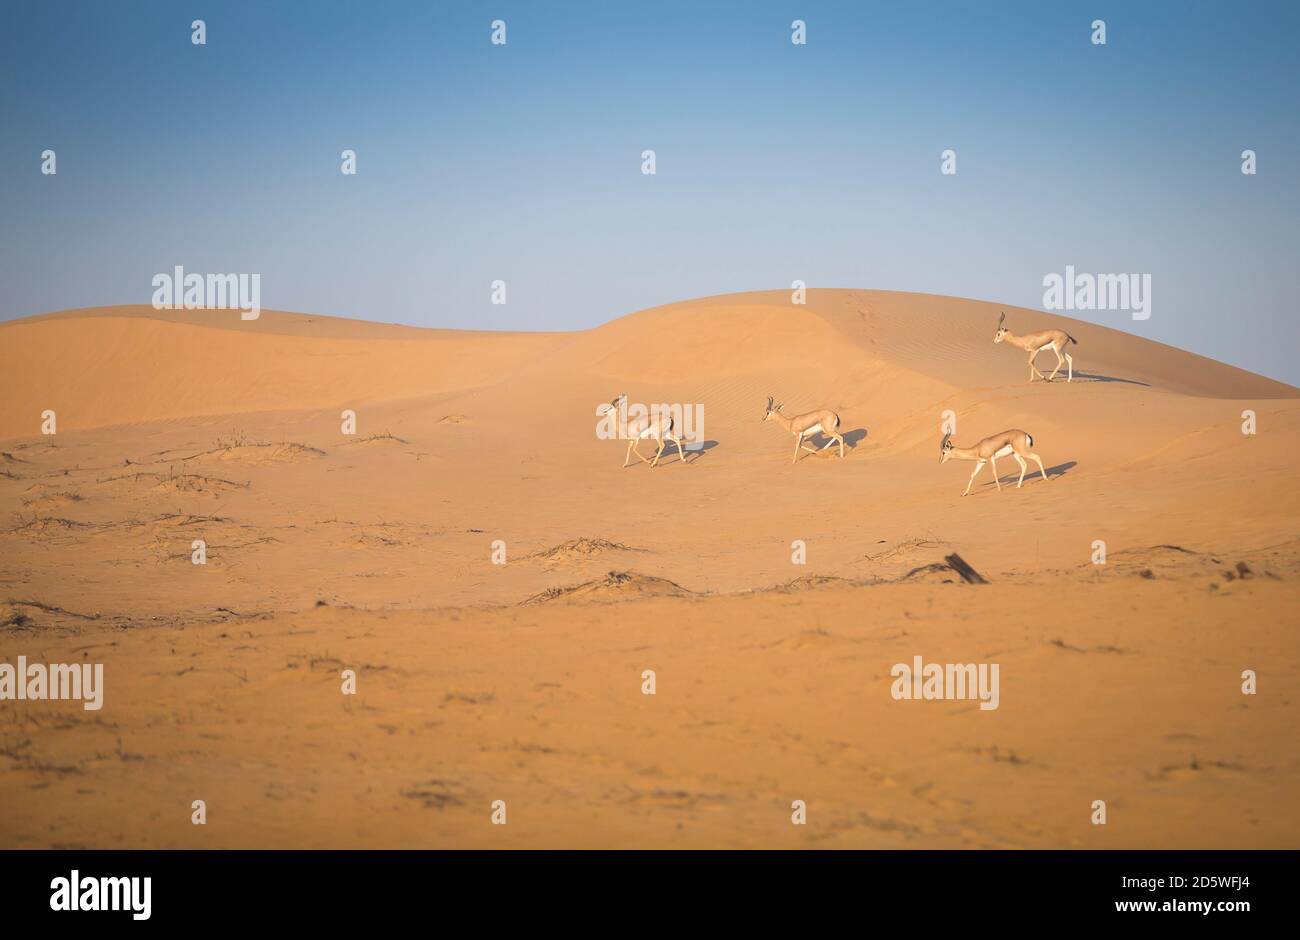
(1119, 682)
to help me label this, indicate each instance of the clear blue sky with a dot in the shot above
(775, 162)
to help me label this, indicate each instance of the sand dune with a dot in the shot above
(106, 366)
(129, 364)
(521, 680)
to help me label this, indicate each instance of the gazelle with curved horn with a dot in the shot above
(805, 426)
(1013, 443)
(657, 425)
(1034, 343)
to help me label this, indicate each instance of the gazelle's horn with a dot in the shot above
(1002, 318)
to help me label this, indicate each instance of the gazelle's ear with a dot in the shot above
(1002, 318)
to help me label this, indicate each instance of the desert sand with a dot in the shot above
(522, 682)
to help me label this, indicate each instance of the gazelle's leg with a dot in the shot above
(1070, 359)
(978, 467)
(659, 452)
(1038, 460)
(841, 440)
(678, 441)
(636, 449)
(993, 463)
(628, 456)
(1023, 467)
(1033, 369)
(798, 443)
(1060, 361)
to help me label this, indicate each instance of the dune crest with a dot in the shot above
(123, 365)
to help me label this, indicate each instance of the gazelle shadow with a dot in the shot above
(693, 451)
(1095, 377)
(851, 440)
(1060, 470)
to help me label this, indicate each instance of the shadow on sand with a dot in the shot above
(1095, 377)
(1060, 470)
(851, 441)
(693, 453)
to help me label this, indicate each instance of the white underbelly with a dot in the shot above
(1006, 451)
(809, 432)
(1044, 346)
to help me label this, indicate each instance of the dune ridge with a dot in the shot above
(105, 366)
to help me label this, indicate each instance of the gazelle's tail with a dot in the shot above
(1071, 339)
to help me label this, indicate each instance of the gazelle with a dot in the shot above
(1013, 443)
(1034, 343)
(804, 426)
(657, 425)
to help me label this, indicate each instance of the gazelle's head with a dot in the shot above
(945, 448)
(772, 409)
(1001, 334)
(618, 401)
